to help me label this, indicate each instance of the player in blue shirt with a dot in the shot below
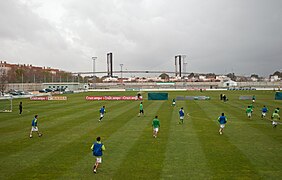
(34, 127)
(264, 110)
(222, 121)
(181, 115)
(97, 149)
(102, 113)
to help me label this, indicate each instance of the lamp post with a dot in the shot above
(121, 71)
(94, 78)
(33, 82)
(22, 82)
(184, 68)
(184, 64)
(60, 84)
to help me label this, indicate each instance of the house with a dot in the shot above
(274, 78)
(222, 78)
(110, 79)
(254, 79)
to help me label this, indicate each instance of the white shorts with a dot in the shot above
(34, 128)
(99, 159)
(101, 115)
(173, 103)
(156, 129)
(181, 117)
(263, 114)
(274, 123)
(249, 114)
(222, 126)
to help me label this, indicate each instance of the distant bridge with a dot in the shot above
(131, 72)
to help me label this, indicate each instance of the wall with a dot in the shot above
(24, 86)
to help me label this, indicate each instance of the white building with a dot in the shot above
(203, 78)
(222, 78)
(175, 79)
(229, 83)
(274, 78)
(254, 79)
(110, 79)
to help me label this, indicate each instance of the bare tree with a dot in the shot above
(232, 76)
(3, 81)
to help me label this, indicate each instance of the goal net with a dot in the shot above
(6, 104)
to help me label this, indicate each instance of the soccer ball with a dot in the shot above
(40, 135)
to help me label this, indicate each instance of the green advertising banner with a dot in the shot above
(157, 96)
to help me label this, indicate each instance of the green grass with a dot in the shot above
(248, 149)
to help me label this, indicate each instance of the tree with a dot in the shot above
(241, 79)
(210, 75)
(255, 76)
(3, 80)
(191, 75)
(19, 75)
(164, 76)
(47, 76)
(231, 76)
(277, 73)
(11, 75)
(30, 74)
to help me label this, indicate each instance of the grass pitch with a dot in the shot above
(248, 149)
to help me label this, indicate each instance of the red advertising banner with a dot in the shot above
(48, 98)
(112, 98)
(39, 98)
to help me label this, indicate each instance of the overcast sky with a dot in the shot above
(220, 36)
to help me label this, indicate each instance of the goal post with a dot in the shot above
(6, 104)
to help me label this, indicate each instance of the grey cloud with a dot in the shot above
(218, 36)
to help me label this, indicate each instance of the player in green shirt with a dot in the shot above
(277, 109)
(249, 111)
(156, 125)
(252, 106)
(173, 102)
(254, 98)
(275, 118)
(141, 110)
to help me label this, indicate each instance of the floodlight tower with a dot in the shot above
(180, 65)
(94, 78)
(184, 64)
(110, 64)
(179, 60)
(175, 59)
